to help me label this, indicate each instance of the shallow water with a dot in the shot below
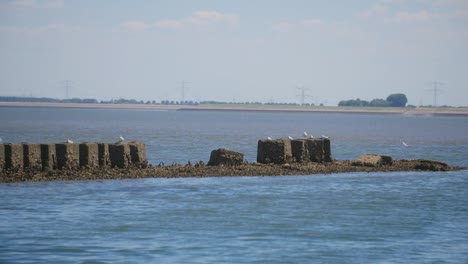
(353, 217)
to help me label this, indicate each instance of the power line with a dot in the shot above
(183, 89)
(303, 94)
(436, 90)
(67, 84)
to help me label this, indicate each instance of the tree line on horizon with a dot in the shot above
(393, 100)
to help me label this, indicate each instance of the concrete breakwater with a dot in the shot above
(58, 156)
(92, 161)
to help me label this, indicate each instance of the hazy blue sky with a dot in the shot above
(256, 50)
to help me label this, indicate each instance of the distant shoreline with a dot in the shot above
(253, 108)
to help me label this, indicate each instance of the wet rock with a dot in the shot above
(225, 157)
(373, 160)
(274, 151)
(430, 165)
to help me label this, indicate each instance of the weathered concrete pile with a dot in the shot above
(373, 160)
(225, 157)
(305, 150)
(59, 156)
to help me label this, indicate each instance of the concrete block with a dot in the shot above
(225, 157)
(89, 155)
(32, 156)
(119, 154)
(2, 157)
(373, 160)
(13, 156)
(315, 149)
(327, 150)
(274, 151)
(103, 154)
(299, 150)
(68, 155)
(138, 153)
(48, 157)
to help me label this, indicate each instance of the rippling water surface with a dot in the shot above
(403, 217)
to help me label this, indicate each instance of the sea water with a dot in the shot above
(403, 217)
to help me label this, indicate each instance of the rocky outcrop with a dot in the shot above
(225, 157)
(431, 165)
(373, 160)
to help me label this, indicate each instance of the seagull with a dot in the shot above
(311, 136)
(404, 143)
(269, 138)
(305, 134)
(69, 141)
(290, 137)
(327, 137)
(121, 139)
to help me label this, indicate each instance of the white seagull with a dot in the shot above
(269, 138)
(327, 137)
(404, 143)
(305, 134)
(290, 137)
(121, 139)
(69, 141)
(311, 136)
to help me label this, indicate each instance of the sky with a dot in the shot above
(225, 50)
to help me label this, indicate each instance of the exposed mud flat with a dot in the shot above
(202, 170)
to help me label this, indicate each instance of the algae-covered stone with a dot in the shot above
(138, 153)
(89, 155)
(48, 157)
(299, 150)
(373, 160)
(2, 157)
(32, 156)
(119, 154)
(430, 165)
(103, 154)
(68, 155)
(13, 156)
(274, 151)
(327, 150)
(225, 157)
(315, 149)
